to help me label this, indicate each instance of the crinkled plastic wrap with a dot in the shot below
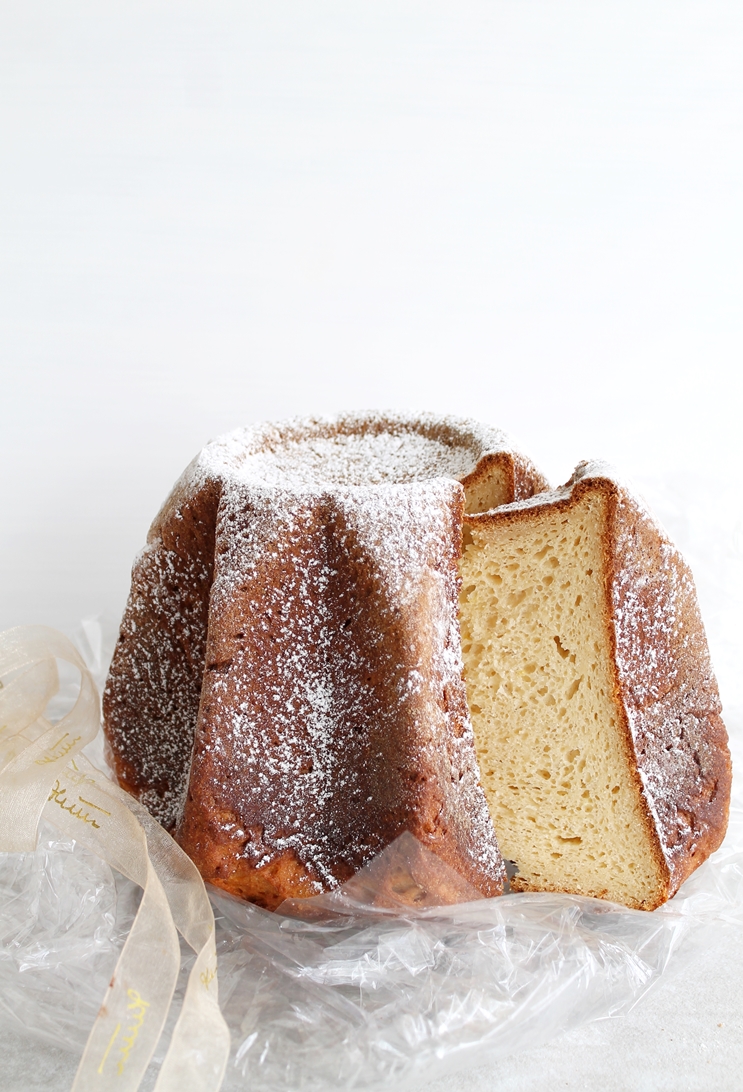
(44, 774)
(355, 994)
(353, 989)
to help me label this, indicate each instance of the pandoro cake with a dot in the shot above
(344, 629)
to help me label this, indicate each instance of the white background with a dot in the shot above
(215, 213)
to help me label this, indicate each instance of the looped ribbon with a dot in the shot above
(43, 773)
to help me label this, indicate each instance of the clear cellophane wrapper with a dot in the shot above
(349, 990)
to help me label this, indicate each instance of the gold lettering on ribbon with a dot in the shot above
(107, 1051)
(59, 796)
(138, 1007)
(52, 755)
(207, 977)
(79, 777)
(92, 805)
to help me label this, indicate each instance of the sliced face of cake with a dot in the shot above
(594, 706)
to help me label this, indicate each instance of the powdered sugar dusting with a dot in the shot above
(668, 688)
(667, 684)
(369, 449)
(358, 643)
(350, 460)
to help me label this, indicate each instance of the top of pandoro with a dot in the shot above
(352, 449)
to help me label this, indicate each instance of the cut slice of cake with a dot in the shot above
(594, 706)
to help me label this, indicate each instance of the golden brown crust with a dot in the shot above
(612, 566)
(153, 690)
(667, 689)
(527, 480)
(392, 748)
(499, 478)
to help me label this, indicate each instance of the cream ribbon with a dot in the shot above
(44, 773)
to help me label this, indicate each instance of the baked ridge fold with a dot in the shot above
(595, 709)
(286, 693)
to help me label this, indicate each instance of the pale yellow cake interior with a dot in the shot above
(490, 491)
(553, 759)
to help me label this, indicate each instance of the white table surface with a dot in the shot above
(528, 213)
